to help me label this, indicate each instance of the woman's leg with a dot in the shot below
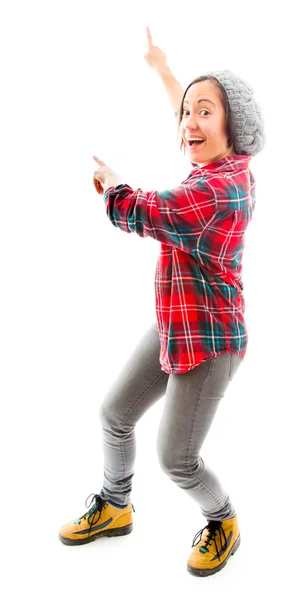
(191, 401)
(139, 385)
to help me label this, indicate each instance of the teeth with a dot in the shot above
(195, 139)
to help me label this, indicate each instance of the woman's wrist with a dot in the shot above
(111, 180)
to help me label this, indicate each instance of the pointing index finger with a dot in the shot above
(100, 162)
(149, 37)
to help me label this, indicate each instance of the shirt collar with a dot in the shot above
(228, 163)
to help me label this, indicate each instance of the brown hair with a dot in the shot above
(225, 103)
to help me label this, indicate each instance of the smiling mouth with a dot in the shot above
(195, 144)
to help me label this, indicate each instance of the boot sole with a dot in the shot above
(108, 533)
(207, 572)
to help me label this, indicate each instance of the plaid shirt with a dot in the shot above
(198, 285)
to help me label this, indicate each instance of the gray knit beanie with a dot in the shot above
(246, 116)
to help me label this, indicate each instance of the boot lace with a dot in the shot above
(93, 515)
(213, 528)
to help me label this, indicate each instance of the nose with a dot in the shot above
(190, 125)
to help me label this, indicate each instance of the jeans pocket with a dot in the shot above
(235, 362)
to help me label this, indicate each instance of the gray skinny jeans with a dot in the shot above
(190, 403)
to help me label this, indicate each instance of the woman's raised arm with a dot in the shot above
(156, 59)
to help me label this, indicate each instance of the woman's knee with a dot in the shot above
(113, 413)
(174, 457)
(107, 411)
(168, 455)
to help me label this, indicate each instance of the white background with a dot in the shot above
(77, 294)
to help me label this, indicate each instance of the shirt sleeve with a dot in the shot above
(175, 216)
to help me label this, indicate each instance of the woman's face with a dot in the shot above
(204, 119)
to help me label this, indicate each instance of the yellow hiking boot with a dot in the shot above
(218, 540)
(105, 517)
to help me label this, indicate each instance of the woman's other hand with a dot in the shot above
(155, 57)
(101, 174)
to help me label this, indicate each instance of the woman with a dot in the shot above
(194, 349)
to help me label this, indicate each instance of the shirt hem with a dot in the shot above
(182, 369)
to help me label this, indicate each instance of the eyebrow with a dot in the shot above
(201, 100)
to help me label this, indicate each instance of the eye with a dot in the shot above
(204, 110)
